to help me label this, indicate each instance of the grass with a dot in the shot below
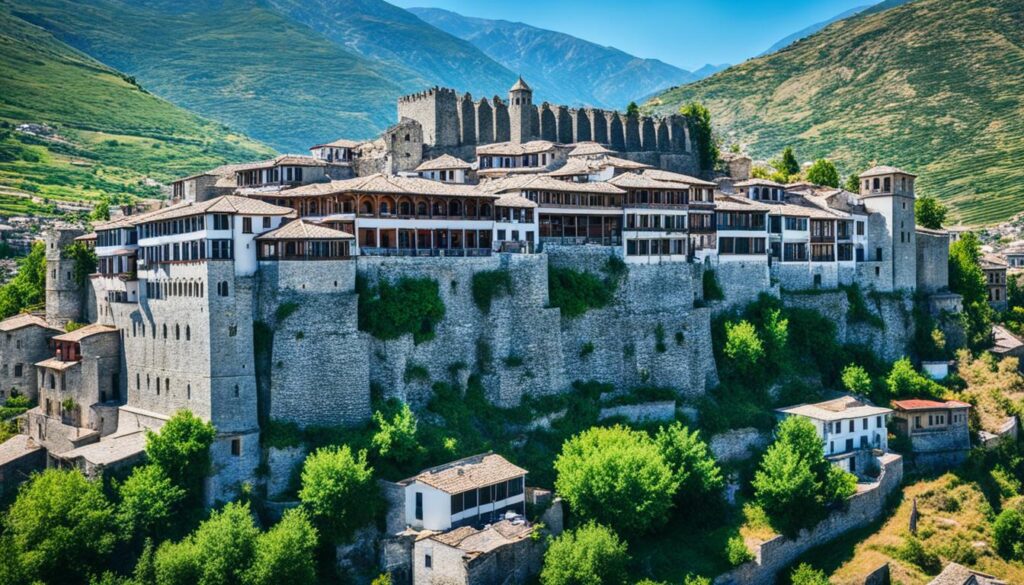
(117, 139)
(934, 86)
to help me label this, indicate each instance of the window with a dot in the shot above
(456, 503)
(878, 422)
(222, 288)
(486, 495)
(851, 426)
(17, 370)
(860, 228)
(246, 225)
(419, 507)
(426, 560)
(237, 391)
(236, 447)
(865, 424)
(266, 222)
(469, 500)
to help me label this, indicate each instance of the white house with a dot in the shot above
(474, 491)
(848, 426)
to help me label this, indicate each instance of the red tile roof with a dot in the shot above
(918, 404)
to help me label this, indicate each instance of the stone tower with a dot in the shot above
(63, 294)
(437, 112)
(520, 111)
(889, 192)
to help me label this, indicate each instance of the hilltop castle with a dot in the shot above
(280, 243)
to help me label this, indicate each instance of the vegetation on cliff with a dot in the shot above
(27, 290)
(933, 86)
(389, 310)
(576, 292)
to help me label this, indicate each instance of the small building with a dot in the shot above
(850, 428)
(445, 168)
(1006, 344)
(995, 268)
(515, 223)
(938, 431)
(302, 240)
(504, 552)
(340, 151)
(24, 340)
(474, 491)
(955, 574)
(1014, 254)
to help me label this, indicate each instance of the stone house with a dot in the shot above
(445, 168)
(995, 268)
(473, 491)
(956, 574)
(503, 552)
(24, 340)
(850, 428)
(938, 431)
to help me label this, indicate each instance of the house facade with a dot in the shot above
(850, 429)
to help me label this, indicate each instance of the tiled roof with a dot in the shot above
(473, 542)
(340, 143)
(883, 170)
(515, 148)
(56, 364)
(444, 162)
(110, 449)
(23, 320)
(635, 181)
(469, 473)
(759, 183)
(87, 331)
(544, 183)
(520, 85)
(923, 230)
(385, 184)
(671, 177)
(918, 404)
(284, 159)
(807, 209)
(303, 230)
(221, 171)
(1003, 341)
(589, 149)
(730, 203)
(836, 409)
(514, 200)
(17, 447)
(86, 237)
(991, 262)
(955, 574)
(231, 204)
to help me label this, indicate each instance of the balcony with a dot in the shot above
(425, 252)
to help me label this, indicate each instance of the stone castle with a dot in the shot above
(238, 301)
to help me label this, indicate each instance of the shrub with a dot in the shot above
(712, 290)
(280, 434)
(338, 491)
(904, 381)
(1008, 530)
(858, 311)
(856, 380)
(587, 349)
(148, 504)
(396, 436)
(513, 361)
(84, 258)
(411, 305)
(805, 574)
(659, 339)
(913, 551)
(285, 310)
(616, 476)
(415, 373)
(575, 293)
(736, 551)
(182, 450)
(742, 346)
(591, 555)
(700, 119)
(698, 478)
(489, 285)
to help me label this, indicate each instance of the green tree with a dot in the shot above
(805, 574)
(285, 553)
(85, 261)
(1014, 291)
(182, 451)
(1008, 530)
(742, 346)
(700, 124)
(590, 555)
(149, 500)
(338, 491)
(776, 336)
(61, 527)
(101, 212)
(904, 381)
(218, 553)
(395, 438)
(795, 482)
(27, 289)
(616, 476)
(967, 279)
(787, 163)
(823, 172)
(633, 110)
(852, 183)
(856, 380)
(698, 478)
(929, 212)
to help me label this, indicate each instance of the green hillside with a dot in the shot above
(934, 86)
(113, 134)
(239, 62)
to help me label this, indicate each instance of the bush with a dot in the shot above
(575, 293)
(698, 478)
(712, 290)
(736, 551)
(856, 380)
(489, 285)
(700, 119)
(904, 381)
(589, 555)
(182, 450)
(805, 574)
(587, 349)
(149, 502)
(913, 551)
(412, 305)
(395, 438)
(338, 491)
(415, 373)
(1008, 530)
(616, 476)
(285, 310)
(742, 346)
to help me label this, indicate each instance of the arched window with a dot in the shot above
(470, 209)
(367, 208)
(455, 208)
(384, 209)
(405, 208)
(167, 385)
(138, 381)
(177, 331)
(158, 386)
(188, 333)
(53, 382)
(165, 330)
(438, 209)
(421, 208)
(485, 210)
(188, 392)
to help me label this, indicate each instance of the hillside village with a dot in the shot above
(487, 293)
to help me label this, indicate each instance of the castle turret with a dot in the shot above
(520, 111)
(63, 294)
(889, 191)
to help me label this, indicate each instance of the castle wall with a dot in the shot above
(548, 123)
(932, 262)
(19, 350)
(742, 281)
(63, 295)
(502, 124)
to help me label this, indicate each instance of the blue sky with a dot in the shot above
(686, 33)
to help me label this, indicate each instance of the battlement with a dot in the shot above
(428, 94)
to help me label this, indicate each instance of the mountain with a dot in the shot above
(708, 70)
(240, 62)
(561, 68)
(933, 86)
(382, 31)
(806, 32)
(112, 136)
